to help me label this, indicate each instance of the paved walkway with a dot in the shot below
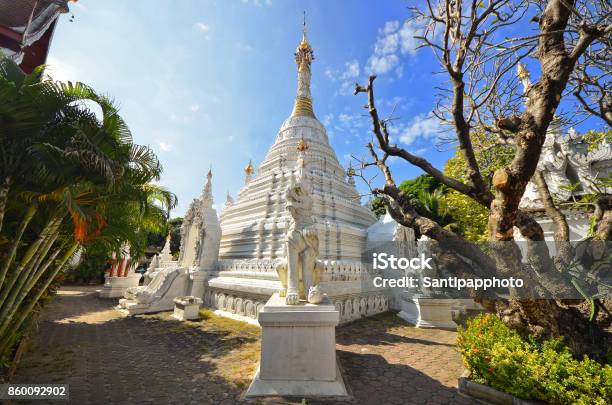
(110, 359)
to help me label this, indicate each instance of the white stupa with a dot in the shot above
(231, 263)
(254, 225)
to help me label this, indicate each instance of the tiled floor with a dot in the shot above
(110, 359)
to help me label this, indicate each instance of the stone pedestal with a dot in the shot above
(187, 308)
(298, 351)
(115, 287)
(428, 312)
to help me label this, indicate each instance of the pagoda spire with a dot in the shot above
(249, 170)
(303, 58)
(207, 192)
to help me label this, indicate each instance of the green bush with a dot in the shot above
(499, 357)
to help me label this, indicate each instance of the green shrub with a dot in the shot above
(499, 357)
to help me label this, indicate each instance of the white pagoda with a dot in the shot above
(232, 262)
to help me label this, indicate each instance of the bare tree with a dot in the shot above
(570, 42)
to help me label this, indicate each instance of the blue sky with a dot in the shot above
(208, 83)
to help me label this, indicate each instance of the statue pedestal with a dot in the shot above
(114, 287)
(429, 312)
(298, 351)
(187, 308)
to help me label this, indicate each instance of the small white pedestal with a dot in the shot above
(298, 351)
(429, 312)
(114, 287)
(187, 308)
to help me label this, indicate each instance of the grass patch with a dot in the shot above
(236, 354)
(213, 322)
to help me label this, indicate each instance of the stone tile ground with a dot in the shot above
(152, 359)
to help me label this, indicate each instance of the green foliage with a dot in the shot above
(594, 139)
(489, 155)
(414, 188)
(378, 207)
(427, 197)
(157, 240)
(420, 184)
(472, 217)
(433, 206)
(174, 227)
(69, 179)
(499, 357)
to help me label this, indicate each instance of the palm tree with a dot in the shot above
(431, 205)
(67, 179)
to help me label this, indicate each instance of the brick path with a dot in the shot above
(110, 359)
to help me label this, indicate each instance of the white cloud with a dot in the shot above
(165, 147)
(422, 126)
(382, 64)
(194, 107)
(394, 40)
(344, 118)
(351, 71)
(347, 76)
(346, 89)
(353, 124)
(327, 119)
(244, 47)
(202, 27)
(258, 3)
(390, 27)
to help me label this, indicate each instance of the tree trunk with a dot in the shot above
(16, 242)
(21, 291)
(545, 319)
(5, 337)
(5, 186)
(30, 254)
(8, 307)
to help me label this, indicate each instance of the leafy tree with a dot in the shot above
(595, 138)
(423, 183)
(378, 207)
(413, 188)
(174, 226)
(479, 47)
(69, 180)
(472, 217)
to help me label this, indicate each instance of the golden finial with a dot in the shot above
(209, 175)
(302, 146)
(249, 169)
(304, 45)
(350, 172)
(304, 40)
(303, 58)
